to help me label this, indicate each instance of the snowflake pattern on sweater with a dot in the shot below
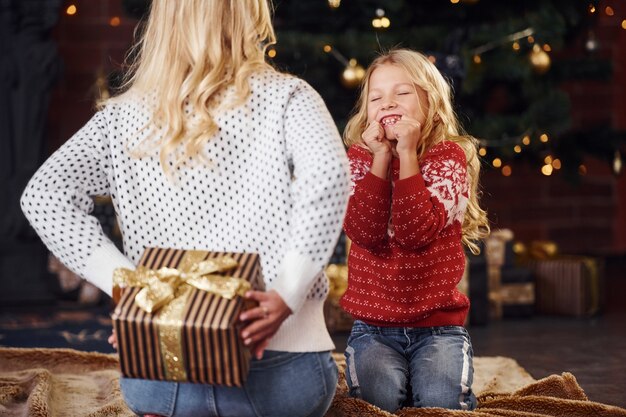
(407, 276)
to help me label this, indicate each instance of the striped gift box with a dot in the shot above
(202, 343)
(568, 285)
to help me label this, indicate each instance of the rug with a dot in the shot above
(65, 382)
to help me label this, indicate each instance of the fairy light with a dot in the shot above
(582, 169)
(515, 46)
(478, 60)
(547, 160)
(544, 138)
(517, 149)
(547, 47)
(71, 10)
(482, 151)
(327, 48)
(556, 164)
(526, 140)
(334, 3)
(609, 11)
(454, 1)
(115, 21)
(507, 171)
(624, 24)
(497, 163)
(592, 8)
(271, 53)
(546, 170)
(530, 39)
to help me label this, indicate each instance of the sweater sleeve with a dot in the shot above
(57, 202)
(319, 191)
(367, 218)
(426, 203)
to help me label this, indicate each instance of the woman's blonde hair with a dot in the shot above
(441, 124)
(189, 53)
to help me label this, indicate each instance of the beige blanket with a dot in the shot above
(65, 382)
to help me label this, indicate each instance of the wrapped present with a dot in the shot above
(177, 316)
(568, 285)
(517, 292)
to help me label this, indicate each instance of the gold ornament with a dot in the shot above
(539, 59)
(352, 74)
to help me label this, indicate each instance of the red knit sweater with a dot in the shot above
(406, 256)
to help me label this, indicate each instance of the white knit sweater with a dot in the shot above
(277, 186)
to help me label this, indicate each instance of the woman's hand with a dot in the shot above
(374, 138)
(408, 131)
(263, 321)
(113, 340)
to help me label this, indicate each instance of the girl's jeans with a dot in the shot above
(392, 367)
(280, 384)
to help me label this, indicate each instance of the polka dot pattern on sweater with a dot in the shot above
(277, 183)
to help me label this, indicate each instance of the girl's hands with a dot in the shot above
(408, 132)
(374, 138)
(263, 321)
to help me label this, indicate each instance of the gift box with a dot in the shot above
(177, 316)
(568, 285)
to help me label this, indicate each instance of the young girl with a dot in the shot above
(413, 205)
(210, 148)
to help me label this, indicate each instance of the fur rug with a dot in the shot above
(66, 382)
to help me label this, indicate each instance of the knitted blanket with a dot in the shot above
(66, 382)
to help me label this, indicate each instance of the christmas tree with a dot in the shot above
(497, 55)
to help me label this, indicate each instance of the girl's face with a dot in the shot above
(392, 95)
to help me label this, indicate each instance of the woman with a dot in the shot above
(210, 148)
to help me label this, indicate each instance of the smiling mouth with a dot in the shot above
(390, 120)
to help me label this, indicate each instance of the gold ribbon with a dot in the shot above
(159, 287)
(165, 291)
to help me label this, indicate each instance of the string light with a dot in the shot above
(526, 140)
(507, 170)
(497, 163)
(530, 39)
(617, 163)
(556, 164)
(517, 149)
(592, 8)
(547, 47)
(334, 3)
(71, 10)
(115, 21)
(454, 1)
(271, 53)
(327, 48)
(609, 11)
(482, 151)
(381, 21)
(547, 160)
(478, 60)
(582, 169)
(624, 24)
(516, 46)
(544, 138)
(546, 170)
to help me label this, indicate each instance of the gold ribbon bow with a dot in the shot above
(160, 286)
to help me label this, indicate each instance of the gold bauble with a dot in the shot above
(352, 75)
(539, 59)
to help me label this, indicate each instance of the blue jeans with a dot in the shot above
(280, 384)
(392, 367)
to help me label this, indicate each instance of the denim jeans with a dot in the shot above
(392, 367)
(280, 384)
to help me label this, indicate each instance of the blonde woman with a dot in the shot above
(210, 148)
(413, 205)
